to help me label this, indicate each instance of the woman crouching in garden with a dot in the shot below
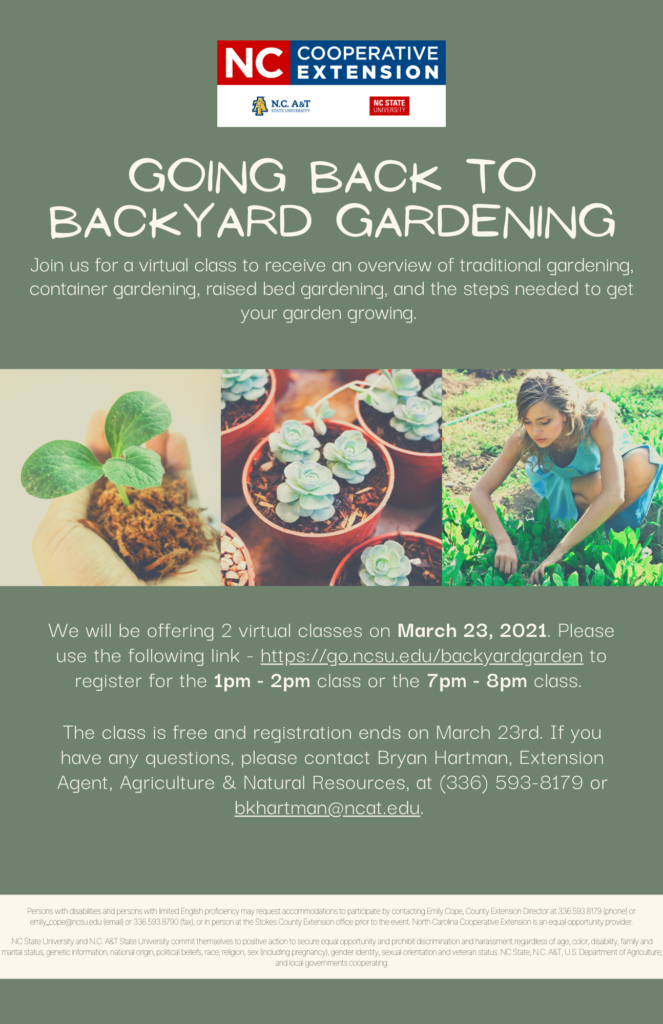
(576, 456)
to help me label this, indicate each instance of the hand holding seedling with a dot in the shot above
(67, 553)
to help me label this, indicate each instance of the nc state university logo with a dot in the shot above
(253, 62)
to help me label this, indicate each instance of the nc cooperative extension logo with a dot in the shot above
(382, 83)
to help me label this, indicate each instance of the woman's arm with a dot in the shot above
(605, 432)
(506, 556)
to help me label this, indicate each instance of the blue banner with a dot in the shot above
(362, 62)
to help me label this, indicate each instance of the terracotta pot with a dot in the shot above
(434, 542)
(357, 374)
(282, 380)
(245, 552)
(318, 553)
(237, 442)
(418, 474)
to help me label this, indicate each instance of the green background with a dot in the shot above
(572, 89)
(324, 1001)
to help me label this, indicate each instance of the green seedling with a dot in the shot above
(62, 467)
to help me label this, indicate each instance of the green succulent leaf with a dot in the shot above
(141, 467)
(134, 419)
(58, 468)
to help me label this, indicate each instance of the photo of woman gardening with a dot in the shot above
(596, 478)
(116, 503)
(331, 477)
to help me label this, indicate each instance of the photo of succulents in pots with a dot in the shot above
(247, 414)
(123, 506)
(319, 485)
(402, 409)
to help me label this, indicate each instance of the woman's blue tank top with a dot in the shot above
(554, 482)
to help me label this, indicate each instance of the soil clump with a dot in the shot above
(157, 534)
(457, 385)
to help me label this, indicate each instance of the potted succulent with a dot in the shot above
(141, 512)
(402, 409)
(247, 413)
(392, 560)
(236, 564)
(318, 501)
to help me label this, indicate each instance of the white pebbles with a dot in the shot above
(234, 568)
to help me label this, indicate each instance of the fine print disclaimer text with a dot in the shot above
(331, 936)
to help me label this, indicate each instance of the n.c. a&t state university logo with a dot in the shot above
(259, 106)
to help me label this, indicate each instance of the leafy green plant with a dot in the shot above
(468, 553)
(62, 467)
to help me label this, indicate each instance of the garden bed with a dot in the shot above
(468, 553)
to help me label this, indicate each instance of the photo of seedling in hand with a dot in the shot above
(135, 507)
